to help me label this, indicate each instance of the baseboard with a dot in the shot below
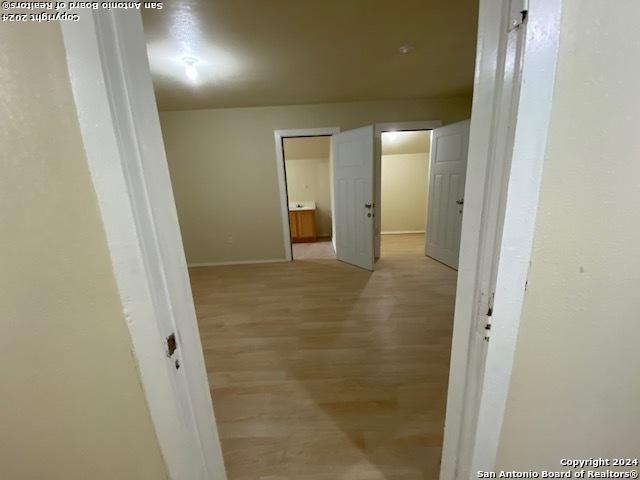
(237, 262)
(401, 232)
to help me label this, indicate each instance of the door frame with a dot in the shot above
(471, 440)
(112, 150)
(120, 128)
(279, 136)
(380, 128)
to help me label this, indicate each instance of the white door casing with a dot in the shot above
(118, 117)
(501, 148)
(447, 173)
(513, 93)
(353, 188)
(86, 40)
(279, 136)
(535, 43)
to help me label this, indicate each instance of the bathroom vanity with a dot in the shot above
(302, 221)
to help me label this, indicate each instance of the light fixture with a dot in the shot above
(190, 68)
(407, 49)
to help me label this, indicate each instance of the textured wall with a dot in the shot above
(404, 192)
(575, 388)
(223, 168)
(71, 406)
(308, 179)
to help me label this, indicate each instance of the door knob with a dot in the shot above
(368, 205)
(460, 202)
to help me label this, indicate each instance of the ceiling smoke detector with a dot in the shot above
(407, 49)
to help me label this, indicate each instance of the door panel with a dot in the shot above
(448, 168)
(353, 186)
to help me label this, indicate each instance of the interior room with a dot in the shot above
(404, 187)
(333, 365)
(154, 325)
(308, 185)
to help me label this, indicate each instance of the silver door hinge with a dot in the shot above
(518, 12)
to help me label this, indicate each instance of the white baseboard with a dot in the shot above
(236, 262)
(400, 232)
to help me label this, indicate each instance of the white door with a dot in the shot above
(449, 149)
(353, 191)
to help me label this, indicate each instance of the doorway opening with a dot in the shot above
(305, 181)
(404, 183)
(127, 98)
(307, 165)
(411, 192)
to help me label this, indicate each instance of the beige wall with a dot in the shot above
(308, 179)
(223, 168)
(575, 388)
(404, 192)
(71, 406)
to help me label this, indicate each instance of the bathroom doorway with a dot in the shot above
(308, 197)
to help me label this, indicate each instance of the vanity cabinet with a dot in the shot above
(303, 225)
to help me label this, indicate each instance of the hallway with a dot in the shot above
(321, 370)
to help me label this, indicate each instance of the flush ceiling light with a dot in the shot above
(407, 49)
(190, 67)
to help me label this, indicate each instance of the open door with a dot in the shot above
(449, 150)
(353, 190)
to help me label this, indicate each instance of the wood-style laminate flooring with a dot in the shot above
(321, 370)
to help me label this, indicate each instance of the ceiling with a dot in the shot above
(282, 52)
(399, 143)
(301, 148)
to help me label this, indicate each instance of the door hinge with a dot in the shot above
(487, 328)
(518, 12)
(488, 317)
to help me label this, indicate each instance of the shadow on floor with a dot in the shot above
(321, 370)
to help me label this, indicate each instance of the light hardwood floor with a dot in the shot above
(321, 370)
